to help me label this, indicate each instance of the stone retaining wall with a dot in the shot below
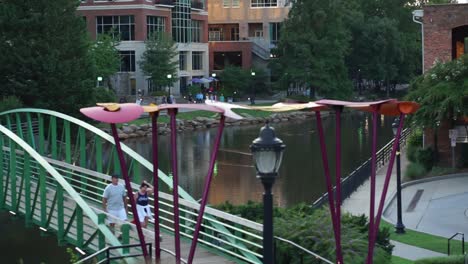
(135, 131)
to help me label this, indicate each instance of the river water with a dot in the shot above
(301, 174)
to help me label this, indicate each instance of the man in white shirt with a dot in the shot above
(114, 201)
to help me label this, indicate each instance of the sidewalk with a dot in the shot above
(359, 202)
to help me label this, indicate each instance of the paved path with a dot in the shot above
(358, 203)
(440, 210)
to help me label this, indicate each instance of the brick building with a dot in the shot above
(242, 32)
(445, 29)
(445, 32)
(134, 20)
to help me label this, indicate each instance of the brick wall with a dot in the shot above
(439, 20)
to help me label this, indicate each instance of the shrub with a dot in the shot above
(442, 260)
(425, 157)
(159, 93)
(415, 171)
(102, 95)
(436, 171)
(9, 103)
(414, 143)
(463, 160)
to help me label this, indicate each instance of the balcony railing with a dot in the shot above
(164, 2)
(194, 4)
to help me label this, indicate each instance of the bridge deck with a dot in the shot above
(202, 255)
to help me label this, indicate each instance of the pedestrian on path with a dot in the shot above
(114, 202)
(142, 202)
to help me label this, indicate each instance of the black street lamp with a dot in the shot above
(267, 151)
(252, 99)
(399, 227)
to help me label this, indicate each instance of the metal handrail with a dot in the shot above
(304, 249)
(452, 237)
(358, 176)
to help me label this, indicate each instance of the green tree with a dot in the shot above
(315, 57)
(442, 93)
(105, 57)
(45, 55)
(158, 59)
(235, 79)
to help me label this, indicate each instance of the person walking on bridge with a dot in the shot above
(142, 201)
(114, 202)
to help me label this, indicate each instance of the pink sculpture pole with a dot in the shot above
(157, 242)
(123, 168)
(338, 179)
(370, 248)
(206, 190)
(326, 168)
(175, 182)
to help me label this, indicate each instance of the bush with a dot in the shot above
(442, 260)
(9, 103)
(425, 157)
(415, 171)
(159, 93)
(414, 143)
(312, 229)
(437, 171)
(103, 95)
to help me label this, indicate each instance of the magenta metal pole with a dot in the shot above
(128, 186)
(370, 249)
(338, 178)
(157, 239)
(206, 190)
(387, 180)
(175, 183)
(326, 168)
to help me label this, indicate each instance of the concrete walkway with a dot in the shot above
(359, 202)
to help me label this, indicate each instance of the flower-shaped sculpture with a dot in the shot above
(113, 113)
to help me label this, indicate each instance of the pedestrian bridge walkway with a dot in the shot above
(54, 168)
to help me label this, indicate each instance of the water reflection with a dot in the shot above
(301, 174)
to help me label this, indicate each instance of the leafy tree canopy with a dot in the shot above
(158, 59)
(105, 56)
(442, 92)
(45, 55)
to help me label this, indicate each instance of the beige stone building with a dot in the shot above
(242, 32)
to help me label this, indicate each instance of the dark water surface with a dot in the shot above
(301, 174)
(19, 244)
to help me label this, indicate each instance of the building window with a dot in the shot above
(119, 26)
(275, 33)
(215, 34)
(230, 3)
(183, 60)
(235, 33)
(155, 24)
(263, 3)
(197, 60)
(197, 30)
(127, 63)
(181, 21)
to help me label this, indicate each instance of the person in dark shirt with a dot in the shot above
(142, 203)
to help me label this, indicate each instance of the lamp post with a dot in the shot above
(169, 77)
(99, 80)
(267, 151)
(252, 98)
(399, 227)
(216, 83)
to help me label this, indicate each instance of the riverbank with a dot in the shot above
(199, 120)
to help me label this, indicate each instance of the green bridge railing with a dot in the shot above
(82, 157)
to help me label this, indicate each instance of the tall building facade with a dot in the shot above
(242, 32)
(134, 21)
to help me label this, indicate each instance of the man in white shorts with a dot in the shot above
(114, 201)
